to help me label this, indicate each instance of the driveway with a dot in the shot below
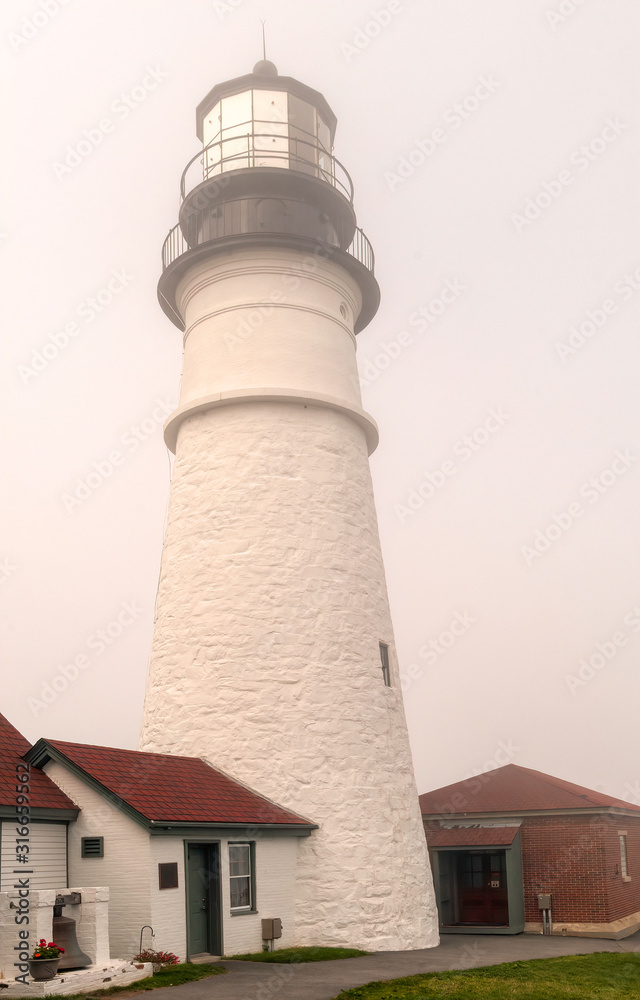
(324, 980)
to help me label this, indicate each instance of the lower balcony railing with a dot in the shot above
(230, 219)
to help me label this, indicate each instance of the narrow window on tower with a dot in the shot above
(384, 659)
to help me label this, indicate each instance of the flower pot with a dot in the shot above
(43, 968)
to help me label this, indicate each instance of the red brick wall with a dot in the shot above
(576, 859)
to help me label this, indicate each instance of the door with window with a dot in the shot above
(482, 888)
(204, 930)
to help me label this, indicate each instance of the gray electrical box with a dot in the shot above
(271, 929)
(544, 901)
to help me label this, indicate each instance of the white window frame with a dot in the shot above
(624, 856)
(250, 906)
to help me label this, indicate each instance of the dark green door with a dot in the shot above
(203, 899)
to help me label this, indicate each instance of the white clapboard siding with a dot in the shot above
(47, 856)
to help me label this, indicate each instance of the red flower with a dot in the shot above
(60, 949)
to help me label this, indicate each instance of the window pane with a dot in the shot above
(211, 125)
(240, 892)
(239, 867)
(324, 135)
(271, 129)
(236, 114)
(270, 108)
(235, 120)
(623, 856)
(239, 859)
(302, 117)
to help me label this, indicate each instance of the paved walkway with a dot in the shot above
(324, 980)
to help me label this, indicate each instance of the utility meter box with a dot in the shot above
(271, 929)
(544, 901)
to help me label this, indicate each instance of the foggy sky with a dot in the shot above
(493, 149)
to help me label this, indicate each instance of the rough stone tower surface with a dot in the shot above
(272, 601)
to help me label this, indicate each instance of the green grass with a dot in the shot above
(602, 976)
(288, 955)
(187, 972)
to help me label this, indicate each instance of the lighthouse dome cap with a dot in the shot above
(265, 68)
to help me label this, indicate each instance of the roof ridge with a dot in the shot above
(96, 746)
(580, 791)
(514, 788)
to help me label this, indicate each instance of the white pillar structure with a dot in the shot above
(273, 652)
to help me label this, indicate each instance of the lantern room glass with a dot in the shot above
(266, 128)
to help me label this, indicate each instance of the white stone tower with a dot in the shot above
(273, 651)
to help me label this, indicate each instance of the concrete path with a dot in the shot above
(324, 980)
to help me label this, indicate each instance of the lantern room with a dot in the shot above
(265, 175)
(266, 121)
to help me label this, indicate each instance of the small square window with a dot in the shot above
(168, 875)
(92, 847)
(384, 659)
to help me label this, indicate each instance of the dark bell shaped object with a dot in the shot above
(64, 935)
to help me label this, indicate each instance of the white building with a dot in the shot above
(180, 846)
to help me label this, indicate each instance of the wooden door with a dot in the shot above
(203, 900)
(482, 888)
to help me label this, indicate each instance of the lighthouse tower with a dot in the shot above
(273, 653)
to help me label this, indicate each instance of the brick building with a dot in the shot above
(499, 840)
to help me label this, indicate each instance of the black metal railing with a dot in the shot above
(265, 149)
(204, 227)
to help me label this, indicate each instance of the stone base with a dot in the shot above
(115, 972)
(613, 931)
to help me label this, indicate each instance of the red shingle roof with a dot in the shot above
(473, 836)
(43, 793)
(514, 789)
(164, 788)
